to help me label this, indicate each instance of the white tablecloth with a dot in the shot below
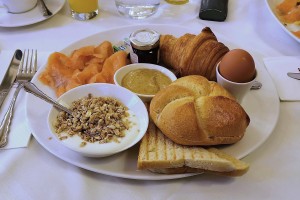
(34, 173)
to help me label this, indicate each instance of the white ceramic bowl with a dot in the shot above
(119, 75)
(128, 98)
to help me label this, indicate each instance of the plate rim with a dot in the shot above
(155, 176)
(42, 18)
(269, 5)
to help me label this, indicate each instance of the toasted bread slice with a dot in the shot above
(159, 154)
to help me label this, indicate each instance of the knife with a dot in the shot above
(10, 75)
(294, 75)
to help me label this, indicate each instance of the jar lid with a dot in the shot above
(144, 39)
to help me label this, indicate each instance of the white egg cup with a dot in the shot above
(238, 90)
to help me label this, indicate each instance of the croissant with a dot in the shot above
(192, 54)
(195, 111)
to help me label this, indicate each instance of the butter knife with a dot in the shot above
(10, 75)
(294, 75)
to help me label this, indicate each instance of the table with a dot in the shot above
(34, 173)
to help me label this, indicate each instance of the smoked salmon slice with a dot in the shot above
(85, 65)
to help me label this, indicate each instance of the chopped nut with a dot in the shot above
(82, 144)
(94, 119)
(63, 137)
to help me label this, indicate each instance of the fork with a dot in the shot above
(26, 71)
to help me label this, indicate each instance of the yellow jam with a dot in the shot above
(145, 81)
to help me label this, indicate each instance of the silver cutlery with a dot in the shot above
(294, 75)
(33, 89)
(26, 71)
(10, 75)
(45, 10)
(256, 85)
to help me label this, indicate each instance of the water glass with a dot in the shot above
(83, 9)
(137, 9)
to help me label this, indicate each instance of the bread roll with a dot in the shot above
(195, 111)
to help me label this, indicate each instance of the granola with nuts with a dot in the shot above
(94, 119)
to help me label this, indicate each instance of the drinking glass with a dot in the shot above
(137, 9)
(83, 9)
(177, 2)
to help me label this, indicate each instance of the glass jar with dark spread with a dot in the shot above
(145, 46)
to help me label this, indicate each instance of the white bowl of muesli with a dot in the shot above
(106, 119)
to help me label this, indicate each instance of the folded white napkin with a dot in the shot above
(19, 135)
(278, 67)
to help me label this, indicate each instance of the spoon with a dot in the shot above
(45, 10)
(33, 89)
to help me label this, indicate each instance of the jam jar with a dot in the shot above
(144, 46)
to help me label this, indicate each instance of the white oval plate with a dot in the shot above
(271, 4)
(31, 17)
(261, 105)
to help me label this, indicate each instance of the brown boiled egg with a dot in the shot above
(237, 66)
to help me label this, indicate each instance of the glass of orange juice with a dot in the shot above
(83, 9)
(177, 2)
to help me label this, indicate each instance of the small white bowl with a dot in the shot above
(120, 73)
(129, 99)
